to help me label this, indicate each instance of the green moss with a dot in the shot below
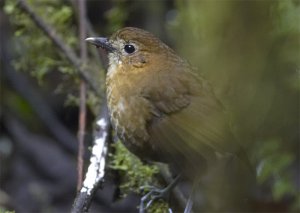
(135, 175)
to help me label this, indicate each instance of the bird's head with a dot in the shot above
(132, 49)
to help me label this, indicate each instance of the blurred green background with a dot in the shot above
(248, 49)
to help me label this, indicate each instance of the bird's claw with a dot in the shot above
(156, 194)
(153, 195)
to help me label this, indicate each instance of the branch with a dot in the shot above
(58, 41)
(82, 89)
(95, 173)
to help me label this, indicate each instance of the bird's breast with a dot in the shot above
(129, 114)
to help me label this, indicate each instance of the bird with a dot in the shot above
(165, 111)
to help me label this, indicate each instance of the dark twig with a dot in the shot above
(50, 32)
(82, 89)
(81, 133)
(95, 173)
(97, 53)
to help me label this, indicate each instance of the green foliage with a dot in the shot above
(38, 56)
(286, 16)
(5, 211)
(116, 16)
(274, 164)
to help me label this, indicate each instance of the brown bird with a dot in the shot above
(162, 111)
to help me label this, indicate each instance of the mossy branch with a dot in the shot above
(58, 41)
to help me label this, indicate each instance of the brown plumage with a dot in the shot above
(160, 109)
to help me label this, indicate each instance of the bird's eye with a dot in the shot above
(129, 48)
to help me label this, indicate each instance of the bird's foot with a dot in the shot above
(153, 195)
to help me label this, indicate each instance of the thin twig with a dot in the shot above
(58, 41)
(82, 89)
(97, 53)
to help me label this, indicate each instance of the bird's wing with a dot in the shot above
(188, 119)
(189, 128)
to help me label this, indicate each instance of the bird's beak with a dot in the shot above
(101, 42)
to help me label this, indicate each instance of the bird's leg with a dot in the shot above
(156, 193)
